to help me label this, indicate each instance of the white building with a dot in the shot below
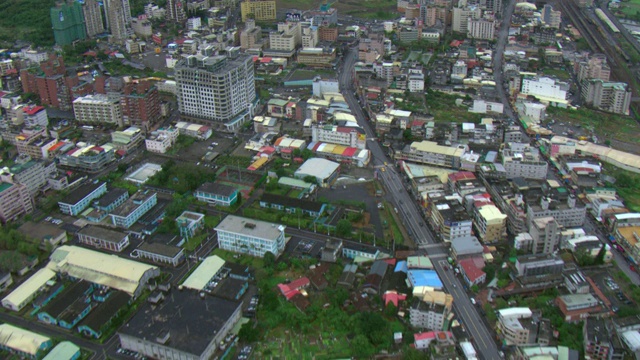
(461, 16)
(201, 132)
(309, 36)
(543, 87)
(98, 109)
(33, 116)
(252, 237)
(341, 135)
(483, 29)
(161, 140)
(512, 325)
(415, 80)
(322, 86)
(194, 23)
(483, 107)
(609, 96)
(535, 111)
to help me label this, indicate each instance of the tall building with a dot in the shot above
(595, 67)
(545, 233)
(609, 96)
(93, 17)
(251, 36)
(261, 10)
(118, 17)
(551, 17)
(51, 83)
(176, 11)
(217, 88)
(15, 199)
(140, 104)
(97, 109)
(482, 29)
(461, 18)
(68, 21)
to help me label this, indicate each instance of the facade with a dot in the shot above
(189, 223)
(98, 109)
(103, 238)
(545, 234)
(32, 174)
(429, 152)
(81, 198)
(538, 265)
(68, 23)
(347, 136)
(142, 27)
(514, 325)
(133, 208)
(93, 17)
(482, 29)
(449, 218)
(522, 160)
(34, 116)
(259, 10)
(249, 236)
(127, 139)
(287, 38)
(140, 104)
(89, 159)
(161, 253)
(595, 67)
(23, 343)
(52, 83)
(431, 312)
(577, 307)
(614, 97)
(217, 194)
(161, 140)
(251, 36)
(176, 11)
(118, 16)
(15, 200)
(216, 88)
(544, 87)
(490, 223)
(461, 16)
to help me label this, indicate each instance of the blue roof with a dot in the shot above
(312, 145)
(424, 278)
(401, 266)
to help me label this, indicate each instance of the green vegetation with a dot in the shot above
(241, 161)
(116, 67)
(627, 185)
(27, 20)
(194, 242)
(181, 177)
(14, 247)
(560, 74)
(182, 142)
(618, 127)
(444, 109)
(410, 102)
(629, 9)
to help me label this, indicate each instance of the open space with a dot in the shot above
(444, 109)
(605, 125)
(143, 174)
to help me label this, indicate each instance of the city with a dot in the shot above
(277, 179)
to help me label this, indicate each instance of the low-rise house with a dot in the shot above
(348, 277)
(23, 343)
(69, 307)
(80, 198)
(576, 307)
(217, 194)
(44, 232)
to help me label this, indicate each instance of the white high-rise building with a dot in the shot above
(98, 109)
(217, 88)
(461, 16)
(481, 29)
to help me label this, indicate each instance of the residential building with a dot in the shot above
(15, 199)
(471, 272)
(331, 251)
(286, 39)
(200, 132)
(98, 109)
(544, 88)
(482, 29)
(431, 311)
(551, 17)
(317, 57)
(249, 236)
(326, 33)
(133, 208)
(609, 96)
(189, 223)
(490, 223)
(449, 218)
(161, 140)
(522, 160)
(515, 326)
(598, 340)
(32, 174)
(196, 326)
(538, 265)
(118, 14)
(93, 17)
(140, 104)
(577, 307)
(127, 139)
(595, 67)
(429, 152)
(461, 16)
(217, 194)
(260, 10)
(68, 307)
(80, 198)
(103, 238)
(216, 88)
(567, 212)
(466, 247)
(23, 343)
(292, 205)
(34, 116)
(176, 11)
(347, 136)
(545, 234)
(68, 23)
(89, 158)
(101, 317)
(52, 83)
(251, 36)
(628, 239)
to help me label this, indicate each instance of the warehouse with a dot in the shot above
(28, 290)
(24, 343)
(103, 269)
(324, 171)
(206, 271)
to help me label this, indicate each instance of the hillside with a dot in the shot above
(26, 20)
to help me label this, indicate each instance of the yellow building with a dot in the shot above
(490, 223)
(261, 10)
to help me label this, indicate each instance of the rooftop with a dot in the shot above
(160, 249)
(292, 202)
(215, 188)
(201, 276)
(319, 168)
(103, 233)
(101, 314)
(40, 231)
(133, 203)
(250, 227)
(20, 339)
(110, 196)
(64, 350)
(80, 193)
(190, 320)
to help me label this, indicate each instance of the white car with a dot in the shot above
(473, 301)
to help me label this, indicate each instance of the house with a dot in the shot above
(44, 232)
(373, 280)
(217, 194)
(348, 276)
(471, 273)
(292, 205)
(79, 199)
(101, 317)
(189, 223)
(362, 251)
(331, 251)
(293, 288)
(23, 343)
(69, 307)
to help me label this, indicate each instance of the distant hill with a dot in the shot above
(26, 20)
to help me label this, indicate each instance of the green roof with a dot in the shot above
(4, 186)
(63, 351)
(296, 183)
(18, 168)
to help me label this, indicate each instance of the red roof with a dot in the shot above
(57, 146)
(286, 150)
(430, 335)
(455, 43)
(291, 104)
(316, 146)
(394, 297)
(344, 129)
(32, 110)
(350, 151)
(256, 58)
(417, 123)
(291, 289)
(585, 169)
(265, 60)
(462, 175)
(90, 53)
(372, 95)
(470, 269)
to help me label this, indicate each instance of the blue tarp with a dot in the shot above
(424, 278)
(401, 266)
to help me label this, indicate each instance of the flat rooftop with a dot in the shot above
(103, 233)
(132, 203)
(250, 227)
(80, 193)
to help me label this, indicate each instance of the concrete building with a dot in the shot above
(324, 171)
(140, 102)
(260, 10)
(595, 67)
(133, 209)
(44, 233)
(127, 139)
(251, 36)
(461, 16)
(551, 17)
(176, 11)
(286, 39)
(309, 36)
(142, 27)
(567, 212)
(545, 233)
(186, 326)
(15, 199)
(33, 116)
(161, 253)
(429, 152)
(252, 237)
(325, 15)
(118, 14)
(93, 17)
(32, 174)
(103, 238)
(189, 223)
(543, 88)
(431, 311)
(538, 265)
(449, 218)
(98, 109)
(515, 326)
(614, 97)
(490, 223)
(522, 160)
(577, 307)
(216, 88)
(78, 200)
(161, 140)
(89, 158)
(347, 136)
(317, 57)
(217, 194)
(481, 29)
(68, 23)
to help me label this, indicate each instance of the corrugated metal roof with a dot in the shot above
(203, 274)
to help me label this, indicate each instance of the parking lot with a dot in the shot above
(611, 289)
(304, 248)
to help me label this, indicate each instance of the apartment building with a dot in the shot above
(614, 97)
(89, 158)
(98, 109)
(429, 152)
(260, 10)
(431, 311)
(67, 22)
(216, 88)
(81, 197)
(161, 140)
(347, 136)
(32, 174)
(34, 116)
(286, 39)
(176, 11)
(538, 265)
(140, 104)
(595, 67)
(461, 16)
(127, 139)
(515, 327)
(93, 17)
(252, 237)
(551, 17)
(567, 212)
(545, 234)
(490, 223)
(448, 217)
(309, 36)
(118, 15)
(251, 36)
(481, 29)
(15, 199)
(522, 160)
(133, 209)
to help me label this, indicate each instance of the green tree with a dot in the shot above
(310, 179)
(599, 260)
(344, 227)
(374, 327)
(269, 259)
(249, 332)
(362, 347)
(390, 310)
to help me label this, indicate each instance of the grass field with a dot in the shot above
(630, 8)
(444, 109)
(560, 74)
(370, 9)
(618, 127)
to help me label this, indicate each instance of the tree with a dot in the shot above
(374, 327)
(310, 179)
(122, 168)
(390, 310)
(599, 260)
(362, 348)
(249, 333)
(406, 135)
(344, 227)
(269, 259)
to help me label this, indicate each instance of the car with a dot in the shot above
(383, 169)
(48, 218)
(473, 301)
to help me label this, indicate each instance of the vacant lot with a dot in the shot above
(604, 125)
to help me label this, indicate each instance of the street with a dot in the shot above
(409, 211)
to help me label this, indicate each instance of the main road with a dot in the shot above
(413, 221)
(498, 57)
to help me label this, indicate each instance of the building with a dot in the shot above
(200, 132)
(545, 234)
(567, 212)
(515, 326)
(490, 223)
(317, 57)
(65, 350)
(522, 160)
(161, 253)
(598, 339)
(577, 307)
(161, 140)
(251, 36)
(32, 174)
(189, 223)
(551, 17)
(614, 97)
(325, 15)
(471, 273)
(15, 199)
(112, 199)
(465, 247)
(249, 236)
(28, 290)
(482, 29)
(449, 218)
(44, 232)
(81, 198)
(68, 23)
(259, 10)
(461, 16)
(118, 16)
(142, 27)
(176, 11)
(102, 269)
(544, 88)
(101, 317)
(216, 88)
(431, 311)
(52, 83)
(23, 343)
(538, 265)
(133, 208)
(347, 136)
(140, 104)
(324, 171)
(429, 152)
(187, 325)
(34, 116)
(93, 17)
(103, 238)
(68, 307)
(285, 40)
(217, 194)
(595, 67)
(291, 205)
(98, 109)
